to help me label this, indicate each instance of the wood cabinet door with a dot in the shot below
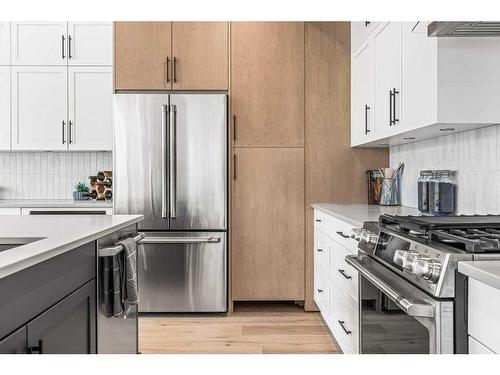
(200, 55)
(142, 55)
(4, 43)
(268, 224)
(68, 327)
(267, 83)
(90, 112)
(4, 107)
(90, 43)
(39, 43)
(39, 107)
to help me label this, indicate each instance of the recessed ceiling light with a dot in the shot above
(409, 138)
(446, 129)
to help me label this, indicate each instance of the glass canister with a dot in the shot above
(442, 191)
(423, 190)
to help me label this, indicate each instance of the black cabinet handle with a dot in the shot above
(367, 23)
(318, 220)
(320, 250)
(167, 66)
(394, 93)
(36, 349)
(342, 272)
(342, 234)
(69, 47)
(390, 108)
(342, 324)
(366, 119)
(62, 46)
(175, 69)
(320, 290)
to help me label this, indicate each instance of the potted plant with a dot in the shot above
(82, 192)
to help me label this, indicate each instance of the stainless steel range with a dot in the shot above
(411, 296)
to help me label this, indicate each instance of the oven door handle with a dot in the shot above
(412, 308)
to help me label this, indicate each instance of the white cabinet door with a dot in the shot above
(90, 108)
(4, 107)
(90, 43)
(39, 43)
(360, 31)
(363, 103)
(39, 102)
(419, 76)
(4, 43)
(387, 56)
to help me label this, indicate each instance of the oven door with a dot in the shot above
(396, 317)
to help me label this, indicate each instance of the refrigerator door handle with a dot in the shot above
(173, 161)
(170, 240)
(164, 132)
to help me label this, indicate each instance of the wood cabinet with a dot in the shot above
(200, 55)
(268, 224)
(69, 327)
(142, 55)
(89, 43)
(4, 107)
(171, 55)
(39, 120)
(90, 113)
(4, 43)
(267, 84)
(39, 43)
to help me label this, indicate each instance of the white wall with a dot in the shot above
(48, 175)
(475, 155)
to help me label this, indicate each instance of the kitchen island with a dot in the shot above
(48, 280)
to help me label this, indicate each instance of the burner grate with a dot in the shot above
(472, 240)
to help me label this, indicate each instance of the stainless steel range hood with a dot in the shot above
(463, 29)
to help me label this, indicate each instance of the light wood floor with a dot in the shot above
(251, 329)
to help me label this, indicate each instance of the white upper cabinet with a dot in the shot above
(387, 59)
(90, 108)
(39, 43)
(39, 115)
(424, 86)
(4, 43)
(4, 107)
(90, 43)
(363, 95)
(360, 31)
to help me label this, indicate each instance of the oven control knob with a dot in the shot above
(399, 257)
(427, 269)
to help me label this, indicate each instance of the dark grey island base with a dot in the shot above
(51, 307)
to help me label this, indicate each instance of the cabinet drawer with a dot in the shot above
(344, 321)
(346, 275)
(340, 231)
(322, 293)
(322, 252)
(475, 347)
(484, 320)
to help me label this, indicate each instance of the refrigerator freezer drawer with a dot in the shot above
(182, 272)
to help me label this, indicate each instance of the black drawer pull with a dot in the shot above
(320, 250)
(342, 324)
(340, 233)
(318, 220)
(320, 290)
(342, 272)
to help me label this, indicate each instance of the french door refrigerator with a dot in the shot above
(170, 165)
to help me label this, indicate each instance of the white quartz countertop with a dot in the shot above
(357, 214)
(60, 234)
(486, 271)
(53, 203)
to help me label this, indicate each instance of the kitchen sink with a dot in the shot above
(7, 243)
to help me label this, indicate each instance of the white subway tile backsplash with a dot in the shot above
(474, 155)
(47, 175)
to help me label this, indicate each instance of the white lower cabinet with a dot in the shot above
(336, 282)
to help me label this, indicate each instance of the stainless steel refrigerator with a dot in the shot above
(170, 164)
